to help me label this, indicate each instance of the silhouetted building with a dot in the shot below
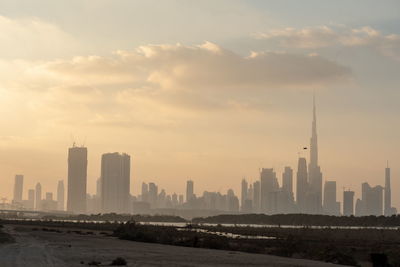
(256, 196)
(269, 187)
(175, 199)
(162, 199)
(244, 193)
(18, 188)
(286, 196)
(359, 210)
(348, 203)
(189, 190)
(248, 206)
(250, 193)
(330, 206)
(115, 183)
(145, 192)
(48, 204)
(314, 204)
(287, 181)
(31, 199)
(388, 209)
(60, 195)
(77, 179)
(38, 197)
(371, 202)
(374, 201)
(153, 195)
(232, 201)
(302, 185)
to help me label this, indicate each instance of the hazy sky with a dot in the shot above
(210, 90)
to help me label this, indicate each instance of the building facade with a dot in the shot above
(115, 183)
(77, 179)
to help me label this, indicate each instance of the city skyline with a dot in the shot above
(268, 195)
(212, 91)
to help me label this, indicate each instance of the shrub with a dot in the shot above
(94, 263)
(119, 262)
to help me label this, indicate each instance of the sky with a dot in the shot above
(206, 90)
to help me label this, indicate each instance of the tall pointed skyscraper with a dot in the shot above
(314, 201)
(314, 140)
(388, 194)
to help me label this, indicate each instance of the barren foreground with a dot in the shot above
(44, 248)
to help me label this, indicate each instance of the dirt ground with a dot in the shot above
(44, 248)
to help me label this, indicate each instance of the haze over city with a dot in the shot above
(209, 91)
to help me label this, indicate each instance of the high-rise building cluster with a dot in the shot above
(300, 191)
(112, 194)
(153, 199)
(267, 196)
(35, 200)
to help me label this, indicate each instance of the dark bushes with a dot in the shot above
(170, 236)
(303, 219)
(118, 262)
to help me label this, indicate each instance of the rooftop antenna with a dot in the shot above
(73, 140)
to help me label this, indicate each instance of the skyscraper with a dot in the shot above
(60, 195)
(31, 199)
(38, 197)
(314, 171)
(18, 188)
(115, 182)
(153, 195)
(331, 206)
(244, 193)
(48, 204)
(374, 204)
(256, 196)
(287, 182)
(189, 190)
(145, 192)
(348, 203)
(388, 193)
(269, 186)
(77, 179)
(301, 185)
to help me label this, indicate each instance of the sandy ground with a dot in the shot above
(40, 248)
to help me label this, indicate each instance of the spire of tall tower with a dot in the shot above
(314, 110)
(314, 139)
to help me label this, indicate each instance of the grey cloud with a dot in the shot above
(162, 84)
(177, 67)
(328, 36)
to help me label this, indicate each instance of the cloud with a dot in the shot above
(325, 36)
(158, 84)
(204, 67)
(32, 38)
